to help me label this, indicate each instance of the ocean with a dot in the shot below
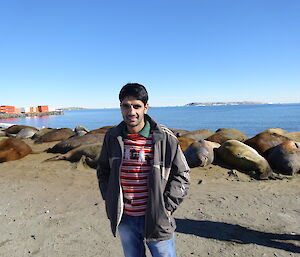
(251, 119)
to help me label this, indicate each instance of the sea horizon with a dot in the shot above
(185, 105)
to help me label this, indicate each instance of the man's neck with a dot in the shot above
(136, 129)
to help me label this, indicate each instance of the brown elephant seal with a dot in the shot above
(244, 158)
(285, 158)
(184, 142)
(179, 132)
(14, 129)
(13, 149)
(224, 134)
(55, 135)
(90, 152)
(200, 153)
(41, 132)
(276, 130)
(76, 141)
(100, 130)
(295, 136)
(265, 140)
(199, 134)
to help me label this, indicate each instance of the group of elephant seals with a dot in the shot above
(200, 153)
(13, 149)
(244, 158)
(285, 157)
(55, 135)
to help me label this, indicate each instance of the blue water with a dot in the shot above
(251, 119)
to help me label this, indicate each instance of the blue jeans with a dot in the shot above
(132, 233)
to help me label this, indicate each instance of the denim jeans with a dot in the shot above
(132, 232)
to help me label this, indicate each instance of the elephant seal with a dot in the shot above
(265, 140)
(199, 134)
(100, 130)
(91, 153)
(41, 132)
(26, 133)
(76, 141)
(224, 134)
(14, 129)
(285, 158)
(80, 131)
(295, 136)
(179, 132)
(2, 133)
(200, 153)
(184, 142)
(13, 149)
(244, 158)
(55, 135)
(81, 128)
(276, 130)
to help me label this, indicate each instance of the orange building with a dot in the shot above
(43, 108)
(7, 109)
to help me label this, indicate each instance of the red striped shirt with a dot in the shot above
(136, 165)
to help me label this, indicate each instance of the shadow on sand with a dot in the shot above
(236, 233)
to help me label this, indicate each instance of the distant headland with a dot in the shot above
(222, 103)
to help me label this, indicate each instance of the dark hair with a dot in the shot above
(135, 90)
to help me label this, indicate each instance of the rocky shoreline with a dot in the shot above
(23, 115)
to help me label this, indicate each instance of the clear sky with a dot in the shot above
(81, 52)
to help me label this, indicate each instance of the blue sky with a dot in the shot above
(79, 53)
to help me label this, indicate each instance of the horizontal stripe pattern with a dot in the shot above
(136, 165)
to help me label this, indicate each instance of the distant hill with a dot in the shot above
(222, 103)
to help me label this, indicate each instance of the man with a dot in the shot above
(143, 177)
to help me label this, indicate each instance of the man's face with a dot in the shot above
(133, 111)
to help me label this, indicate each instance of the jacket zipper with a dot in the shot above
(121, 205)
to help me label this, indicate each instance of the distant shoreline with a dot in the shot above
(23, 115)
(185, 105)
(231, 103)
(223, 103)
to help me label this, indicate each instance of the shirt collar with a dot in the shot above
(145, 132)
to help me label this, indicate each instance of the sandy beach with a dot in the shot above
(54, 209)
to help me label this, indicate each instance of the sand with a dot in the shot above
(54, 209)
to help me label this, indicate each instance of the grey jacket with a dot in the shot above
(168, 181)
